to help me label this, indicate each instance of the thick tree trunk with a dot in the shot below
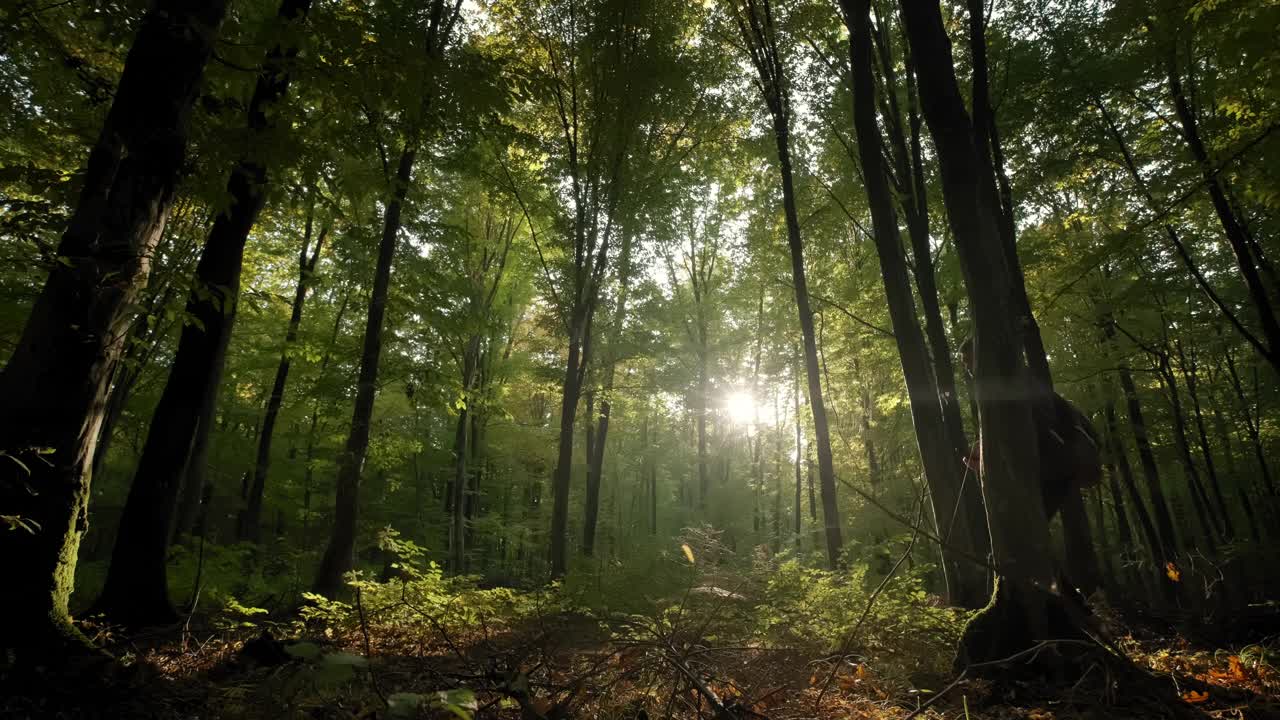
(943, 469)
(339, 554)
(135, 593)
(55, 383)
(1081, 558)
(1020, 612)
(916, 211)
(991, 164)
(195, 477)
(251, 520)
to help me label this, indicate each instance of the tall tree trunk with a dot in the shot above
(821, 431)
(339, 554)
(196, 480)
(1192, 378)
(1252, 425)
(1124, 471)
(136, 593)
(799, 458)
(1081, 559)
(1175, 240)
(1020, 544)
(1209, 523)
(572, 390)
(966, 585)
(991, 164)
(472, 508)
(56, 381)
(251, 520)
(595, 469)
(700, 405)
(777, 475)
(457, 496)
(465, 437)
(756, 25)
(916, 213)
(1146, 457)
(1233, 227)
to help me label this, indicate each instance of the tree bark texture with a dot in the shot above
(943, 469)
(1020, 543)
(56, 381)
(339, 554)
(136, 589)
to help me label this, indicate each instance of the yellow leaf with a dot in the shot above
(688, 552)
(1236, 668)
(1193, 696)
(1172, 571)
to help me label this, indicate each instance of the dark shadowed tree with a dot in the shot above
(56, 380)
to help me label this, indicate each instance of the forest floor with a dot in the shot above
(561, 665)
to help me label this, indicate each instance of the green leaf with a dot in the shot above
(460, 702)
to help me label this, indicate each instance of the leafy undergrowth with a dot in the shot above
(758, 639)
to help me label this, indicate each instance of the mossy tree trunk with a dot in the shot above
(1020, 611)
(55, 383)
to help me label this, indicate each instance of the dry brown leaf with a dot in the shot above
(1193, 696)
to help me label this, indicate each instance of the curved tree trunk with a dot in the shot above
(56, 381)
(136, 589)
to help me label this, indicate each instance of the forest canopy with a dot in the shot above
(621, 357)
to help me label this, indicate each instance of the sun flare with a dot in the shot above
(742, 407)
